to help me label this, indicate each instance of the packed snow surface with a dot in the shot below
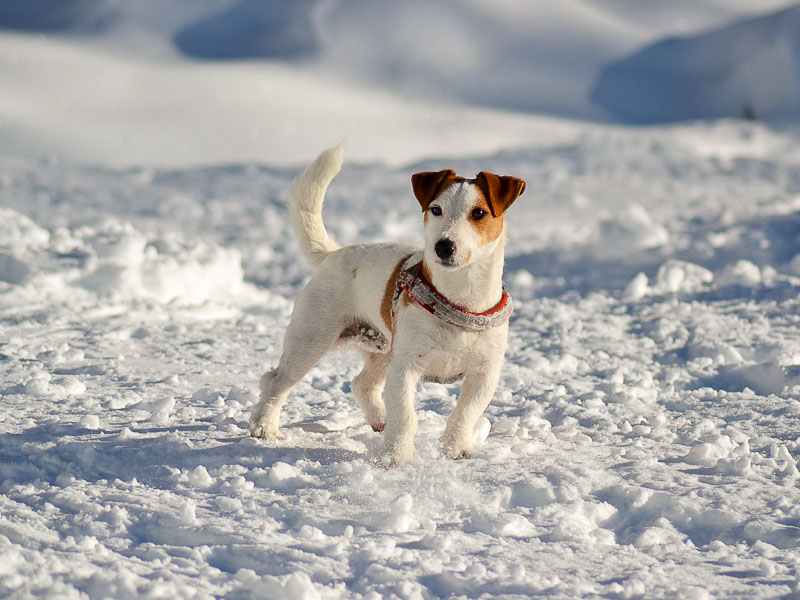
(643, 441)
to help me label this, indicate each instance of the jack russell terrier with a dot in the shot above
(437, 313)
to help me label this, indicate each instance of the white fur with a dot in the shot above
(348, 286)
(306, 195)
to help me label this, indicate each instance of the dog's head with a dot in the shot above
(463, 217)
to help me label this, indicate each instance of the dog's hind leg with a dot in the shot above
(306, 341)
(368, 388)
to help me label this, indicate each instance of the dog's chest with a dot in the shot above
(444, 369)
(455, 354)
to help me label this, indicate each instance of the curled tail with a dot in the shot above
(306, 195)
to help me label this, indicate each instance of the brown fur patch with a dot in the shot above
(500, 191)
(405, 299)
(428, 185)
(426, 272)
(489, 227)
(388, 293)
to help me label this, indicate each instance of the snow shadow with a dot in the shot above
(49, 450)
(55, 15)
(580, 271)
(278, 29)
(766, 241)
(749, 69)
(665, 514)
(763, 240)
(764, 379)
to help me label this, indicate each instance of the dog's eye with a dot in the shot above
(478, 214)
(436, 211)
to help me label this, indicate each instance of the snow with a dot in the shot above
(639, 443)
(169, 83)
(749, 69)
(643, 441)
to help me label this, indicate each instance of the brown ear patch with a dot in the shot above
(489, 227)
(499, 191)
(428, 185)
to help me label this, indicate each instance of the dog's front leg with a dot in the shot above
(401, 418)
(476, 393)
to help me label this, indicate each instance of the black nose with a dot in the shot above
(444, 248)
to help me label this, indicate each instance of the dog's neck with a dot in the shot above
(477, 286)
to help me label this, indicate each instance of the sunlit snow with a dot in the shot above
(644, 438)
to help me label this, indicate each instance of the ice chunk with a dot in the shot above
(200, 478)
(679, 276)
(742, 272)
(637, 288)
(91, 422)
(704, 454)
(300, 587)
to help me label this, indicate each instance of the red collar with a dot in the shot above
(428, 297)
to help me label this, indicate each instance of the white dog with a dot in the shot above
(436, 314)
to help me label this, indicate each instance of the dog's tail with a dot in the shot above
(306, 195)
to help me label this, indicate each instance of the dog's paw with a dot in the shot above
(266, 433)
(390, 459)
(455, 446)
(456, 451)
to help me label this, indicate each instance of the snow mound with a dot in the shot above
(126, 262)
(54, 15)
(631, 231)
(750, 69)
(673, 277)
(114, 259)
(18, 233)
(20, 237)
(250, 29)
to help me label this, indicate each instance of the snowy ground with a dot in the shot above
(644, 436)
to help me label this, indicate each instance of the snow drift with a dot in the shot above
(149, 82)
(114, 260)
(750, 69)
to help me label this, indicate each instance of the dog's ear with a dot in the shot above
(499, 191)
(428, 184)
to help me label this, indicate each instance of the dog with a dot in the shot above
(438, 313)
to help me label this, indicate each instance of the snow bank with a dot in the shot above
(55, 15)
(252, 29)
(750, 69)
(122, 261)
(19, 238)
(113, 259)
(118, 109)
(143, 83)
